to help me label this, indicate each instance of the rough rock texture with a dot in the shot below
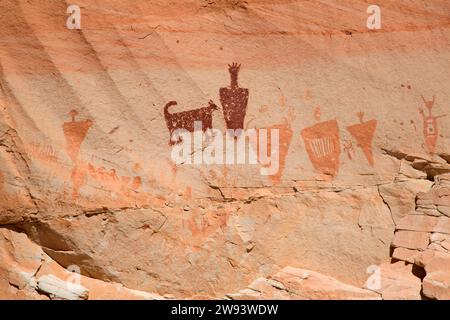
(87, 179)
(436, 284)
(423, 238)
(397, 282)
(26, 272)
(298, 284)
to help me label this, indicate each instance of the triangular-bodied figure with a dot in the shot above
(363, 133)
(323, 146)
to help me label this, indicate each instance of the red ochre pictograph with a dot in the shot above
(109, 179)
(75, 132)
(285, 138)
(202, 224)
(234, 100)
(430, 125)
(348, 148)
(363, 132)
(44, 153)
(322, 144)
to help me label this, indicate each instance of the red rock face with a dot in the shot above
(363, 133)
(322, 144)
(87, 174)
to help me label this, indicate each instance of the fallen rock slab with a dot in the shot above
(299, 284)
(60, 289)
(397, 282)
(411, 240)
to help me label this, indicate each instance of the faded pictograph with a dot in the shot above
(285, 132)
(363, 132)
(44, 153)
(285, 137)
(75, 132)
(204, 223)
(186, 120)
(114, 183)
(322, 143)
(430, 125)
(214, 147)
(349, 149)
(234, 100)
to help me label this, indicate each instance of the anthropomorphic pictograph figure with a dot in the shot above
(363, 132)
(234, 100)
(75, 132)
(430, 125)
(322, 143)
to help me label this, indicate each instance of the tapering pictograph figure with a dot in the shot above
(285, 137)
(234, 100)
(186, 119)
(363, 132)
(322, 144)
(430, 125)
(285, 132)
(75, 132)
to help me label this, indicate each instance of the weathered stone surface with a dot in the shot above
(444, 179)
(59, 289)
(436, 284)
(245, 238)
(26, 272)
(400, 196)
(397, 282)
(86, 168)
(98, 290)
(417, 223)
(445, 210)
(404, 254)
(22, 257)
(440, 242)
(19, 261)
(425, 224)
(442, 225)
(411, 240)
(434, 261)
(299, 284)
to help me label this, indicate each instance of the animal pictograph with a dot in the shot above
(186, 119)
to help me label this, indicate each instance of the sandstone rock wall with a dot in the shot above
(86, 172)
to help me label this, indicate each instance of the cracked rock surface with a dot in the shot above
(87, 182)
